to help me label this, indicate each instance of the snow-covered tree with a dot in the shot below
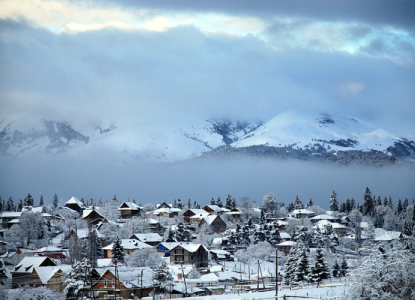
(10, 205)
(384, 274)
(143, 258)
(189, 205)
(219, 202)
(19, 205)
(28, 200)
(344, 267)
(77, 280)
(271, 205)
(334, 205)
(212, 201)
(194, 273)
(368, 203)
(297, 203)
(302, 268)
(336, 269)
(41, 202)
(319, 270)
(309, 203)
(117, 252)
(162, 277)
(55, 201)
(33, 293)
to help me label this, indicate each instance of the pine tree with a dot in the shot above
(385, 202)
(117, 252)
(162, 277)
(100, 202)
(262, 219)
(194, 273)
(175, 203)
(10, 204)
(114, 201)
(77, 280)
(290, 207)
(233, 203)
(189, 205)
(390, 203)
(399, 207)
(83, 201)
(55, 201)
(348, 206)
(298, 204)
(219, 202)
(170, 237)
(19, 205)
(179, 203)
(405, 204)
(336, 269)
(290, 266)
(343, 207)
(228, 202)
(334, 206)
(28, 200)
(352, 204)
(41, 203)
(319, 270)
(379, 201)
(301, 270)
(368, 205)
(309, 203)
(343, 267)
(212, 201)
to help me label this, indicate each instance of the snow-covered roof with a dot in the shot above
(200, 216)
(302, 211)
(322, 223)
(220, 252)
(287, 243)
(387, 237)
(337, 225)
(130, 244)
(148, 237)
(217, 240)
(285, 235)
(83, 233)
(75, 200)
(197, 211)
(9, 214)
(364, 225)
(29, 262)
(169, 204)
(46, 273)
(169, 245)
(130, 205)
(87, 212)
(165, 210)
(324, 217)
(209, 219)
(48, 249)
(152, 221)
(38, 209)
(190, 247)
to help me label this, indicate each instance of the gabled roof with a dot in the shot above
(190, 247)
(87, 212)
(169, 245)
(196, 211)
(75, 200)
(209, 219)
(148, 237)
(38, 209)
(11, 214)
(130, 244)
(324, 217)
(302, 211)
(83, 233)
(46, 273)
(129, 206)
(29, 262)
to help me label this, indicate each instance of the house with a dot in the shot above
(235, 215)
(152, 239)
(196, 219)
(164, 248)
(130, 210)
(303, 213)
(8, 219)
(286, 246)
(164, 205)
(339, 229)
(108, 285)
(324, 217)
(221, 255)
(192, 212)
(214, 209)
(165, 212)
(24, 271)
(92, 217)
(75, 205)
(129, 245)
(214, 223)
(154, 226)
(187, 253)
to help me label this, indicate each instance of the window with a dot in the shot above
(106, 282)
(113, 282)
(191, 257)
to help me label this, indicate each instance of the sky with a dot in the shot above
(143, 64)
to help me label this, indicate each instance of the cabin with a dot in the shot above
(286, 246)
(221, 255)
(75, 205)
(235, 215)
(213, 223)
(303, 213)
(154, 226)
(92, 217)
(165, 212)
(24, 274)
(108, 285)
(152, 239)
(129, 210)
(129, 245)
(164, 205)
(193, 212)
(187, 253)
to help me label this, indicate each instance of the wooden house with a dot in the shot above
(23, 271)
(92, 217)
(188, 253)
(214, 223)
(75, 205)
(193, 212)
(130, 210)
(129, 245)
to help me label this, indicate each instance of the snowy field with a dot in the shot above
(324, 292)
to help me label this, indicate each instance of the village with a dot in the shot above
(125, 250)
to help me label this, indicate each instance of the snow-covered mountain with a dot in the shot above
(299, 133)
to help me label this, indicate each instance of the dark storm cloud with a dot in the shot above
(391, 12)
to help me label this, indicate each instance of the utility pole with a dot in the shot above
(276, 273)
(185, 286)
(257, 280)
